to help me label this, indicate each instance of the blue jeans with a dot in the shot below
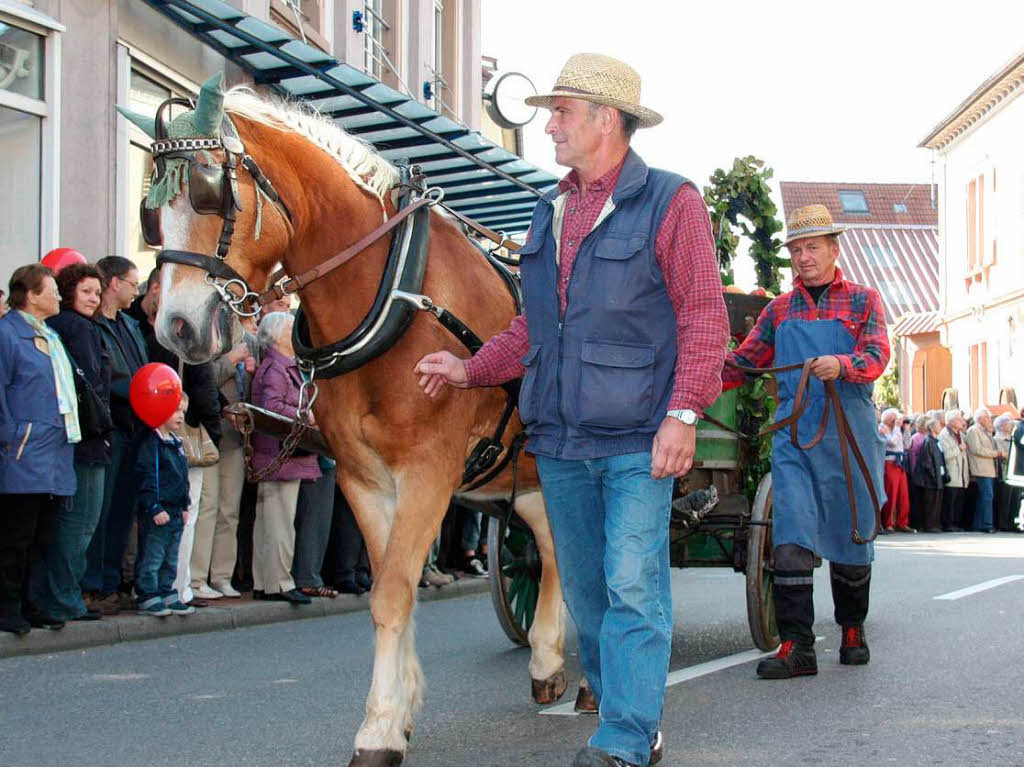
(157, 564)
(983, 507)
(55, 580)
(610, 521)
(103, 563)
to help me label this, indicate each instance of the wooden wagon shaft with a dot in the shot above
(278, 426)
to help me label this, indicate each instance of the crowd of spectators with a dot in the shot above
(96, 521)
(945, 474)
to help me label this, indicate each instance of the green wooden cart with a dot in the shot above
(713, 524)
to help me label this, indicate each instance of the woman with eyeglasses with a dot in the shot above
(38, 430)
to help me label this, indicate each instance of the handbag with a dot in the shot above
(94, 418)
(199, 448)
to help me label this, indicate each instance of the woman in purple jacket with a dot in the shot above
(275, 387)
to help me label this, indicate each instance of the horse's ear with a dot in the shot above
(148, 124)
(210, 106)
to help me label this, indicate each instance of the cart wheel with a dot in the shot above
(514, 564)
(760, 603)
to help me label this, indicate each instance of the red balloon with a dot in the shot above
(58, 258)
(155, 392)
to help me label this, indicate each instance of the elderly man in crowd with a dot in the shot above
(929, 475)
(622, 337)
(896, 512)
(841, 325)
(954, 455)
(982, 453)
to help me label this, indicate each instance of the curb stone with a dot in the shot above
(130, 627)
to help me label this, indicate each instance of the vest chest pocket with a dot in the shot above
(620, 269)
(616, 384)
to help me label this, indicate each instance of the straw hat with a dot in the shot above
(602, 80)
(810, 221)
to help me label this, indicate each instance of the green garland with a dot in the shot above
(744, 191)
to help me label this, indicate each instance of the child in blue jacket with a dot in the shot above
(162, 473)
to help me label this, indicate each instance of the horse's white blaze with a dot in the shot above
(184, 291)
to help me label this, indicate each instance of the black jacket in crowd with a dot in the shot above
(123, 342)
(1018, 440)
(161, 471)
(930, 469)
(81, 337)
(197, 381)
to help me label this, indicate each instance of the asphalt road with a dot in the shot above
(945, 685)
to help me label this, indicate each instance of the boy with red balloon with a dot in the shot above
(162, 473)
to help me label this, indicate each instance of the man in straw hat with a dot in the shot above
(842, 326)
(621, 342)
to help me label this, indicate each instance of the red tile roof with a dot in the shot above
(897, 253)
(880, 198)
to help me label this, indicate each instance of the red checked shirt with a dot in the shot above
(858, 307)
(684, 250)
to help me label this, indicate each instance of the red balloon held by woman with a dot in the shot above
(58, 258)
(154, 393)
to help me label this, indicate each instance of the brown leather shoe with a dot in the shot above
(107, 605)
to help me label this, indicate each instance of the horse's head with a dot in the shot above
(217, 218)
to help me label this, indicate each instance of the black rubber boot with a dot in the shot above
(854, 649)
(791, 660)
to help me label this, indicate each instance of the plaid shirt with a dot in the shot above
(859, 308)
(685, 251)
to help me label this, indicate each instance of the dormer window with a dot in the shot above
(853, 201)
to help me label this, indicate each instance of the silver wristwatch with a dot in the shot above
(686, 416)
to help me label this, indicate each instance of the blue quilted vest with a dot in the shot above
(599, 379)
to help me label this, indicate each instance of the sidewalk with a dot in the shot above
(220, 615)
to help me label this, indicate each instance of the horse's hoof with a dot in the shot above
(377, 757)
(585, 701)
(551, 689)
(408, 734)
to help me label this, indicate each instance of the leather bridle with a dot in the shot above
(213, 190)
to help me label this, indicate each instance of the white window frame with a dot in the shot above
(48, 109)
(129, 58)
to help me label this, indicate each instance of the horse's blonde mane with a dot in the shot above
(364, 166)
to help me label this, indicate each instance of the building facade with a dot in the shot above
(980, 171)
(891, 244)
(63, 66)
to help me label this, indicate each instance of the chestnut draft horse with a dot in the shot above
(400, 453)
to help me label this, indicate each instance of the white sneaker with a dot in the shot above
(227, 590)
(203, 591)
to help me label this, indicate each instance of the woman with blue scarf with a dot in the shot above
(38, 431)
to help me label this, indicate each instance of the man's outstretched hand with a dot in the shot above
(440, 368)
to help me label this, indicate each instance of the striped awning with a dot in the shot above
(900, 262)
(480, 179)
(915, 324)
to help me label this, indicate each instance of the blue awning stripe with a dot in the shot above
(475, 173)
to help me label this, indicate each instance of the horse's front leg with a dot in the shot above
(396, 690)
(547, 634)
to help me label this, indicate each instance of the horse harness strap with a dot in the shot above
(847, 439)
(287, 287)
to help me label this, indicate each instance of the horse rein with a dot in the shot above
(847, 439)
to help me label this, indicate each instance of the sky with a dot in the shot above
(822, 91)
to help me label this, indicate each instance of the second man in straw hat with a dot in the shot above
(620, 346)
(842, 326)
